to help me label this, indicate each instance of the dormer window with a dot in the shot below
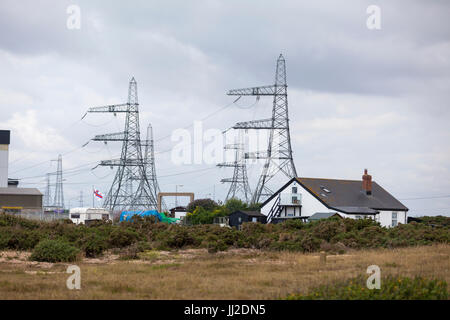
(325, 189)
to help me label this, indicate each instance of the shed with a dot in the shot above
(238, 217)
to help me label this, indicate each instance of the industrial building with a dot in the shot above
(12, 198)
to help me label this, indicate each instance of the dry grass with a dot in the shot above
(195, 274)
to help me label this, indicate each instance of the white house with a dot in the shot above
(300, 198)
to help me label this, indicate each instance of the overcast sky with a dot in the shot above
(358, 98)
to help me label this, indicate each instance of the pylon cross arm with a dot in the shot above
(270, 90)
(256, 155)
(255, 124)
(111, 108)
(118, 136)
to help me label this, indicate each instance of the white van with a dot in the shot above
(87, 215)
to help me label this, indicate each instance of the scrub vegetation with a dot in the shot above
(128, 239)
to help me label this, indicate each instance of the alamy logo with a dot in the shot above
(374, 20)
(74, 18)
(74, 281)
(374, 281)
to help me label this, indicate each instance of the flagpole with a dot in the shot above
(93, 191)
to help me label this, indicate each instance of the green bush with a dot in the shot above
(54, 251)
(94, 245)
(391, 288)
(333, 235)
(22, 239)
(120, 237)
(206, 204)
(216, 246)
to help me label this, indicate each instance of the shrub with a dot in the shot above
(121, 237)
(21, 239)
(179, 237)
(9, 220)
(54, 251)
(392, 288)
(216, 246)
(234, 204)
(94, 245)
(328, 228)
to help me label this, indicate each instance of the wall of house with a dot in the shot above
(309, 204)
(385, 218)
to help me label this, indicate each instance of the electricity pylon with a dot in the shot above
(130, 166)
(81, 199)
(58, 201)
(279, 152)
(48, 197)
(239, 188)
(150, 168)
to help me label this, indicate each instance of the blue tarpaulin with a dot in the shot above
(161, 217)
(127, 215)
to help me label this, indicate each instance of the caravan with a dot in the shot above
(87, 215)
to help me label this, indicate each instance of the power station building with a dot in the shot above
(12, 198)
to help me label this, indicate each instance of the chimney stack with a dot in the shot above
(367, 183)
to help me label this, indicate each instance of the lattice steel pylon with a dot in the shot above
(48, 196)
(131, 168)
(239, 188)
(58, 201)
(150, 168)
(279, 151)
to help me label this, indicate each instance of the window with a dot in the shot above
(394, 219)
(75, 216)
(294, 200)
(240, 219)
(358, 217)
(294, 189)
(254, 219)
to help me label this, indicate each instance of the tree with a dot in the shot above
(207, 204)
(234, 204)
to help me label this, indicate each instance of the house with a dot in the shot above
(323, 215)
(237, 218)
(356, 199)
(178, 212)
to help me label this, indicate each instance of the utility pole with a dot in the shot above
(278, 156)
(131, 166)
(58, 201)
(239, 188)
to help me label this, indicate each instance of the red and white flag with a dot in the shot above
(98, 194)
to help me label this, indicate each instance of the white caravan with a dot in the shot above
(87, 215)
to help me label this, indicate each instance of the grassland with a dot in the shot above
(197, 274)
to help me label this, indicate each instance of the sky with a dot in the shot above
(358, 97)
